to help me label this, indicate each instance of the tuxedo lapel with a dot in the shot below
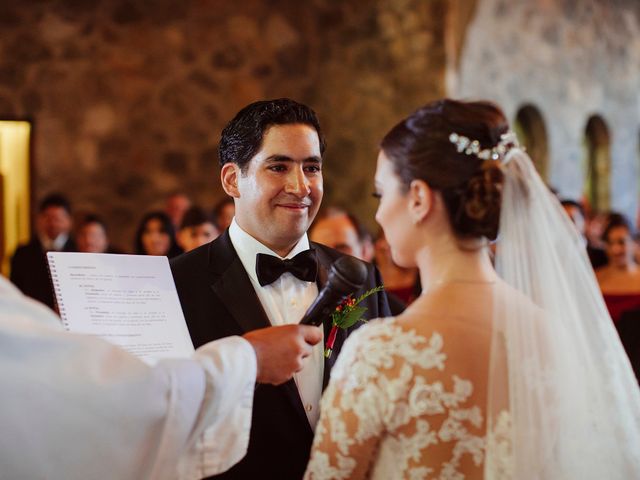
(232, 285)
(324, 265)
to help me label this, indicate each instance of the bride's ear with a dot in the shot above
(420, 200)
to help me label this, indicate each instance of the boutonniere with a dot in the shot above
(347, 314)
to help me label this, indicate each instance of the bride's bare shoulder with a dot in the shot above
(464, 308)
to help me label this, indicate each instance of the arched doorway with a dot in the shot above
(597, 163)
(530, 128)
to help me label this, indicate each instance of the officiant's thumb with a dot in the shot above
(311, 334)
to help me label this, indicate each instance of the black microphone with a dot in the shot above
(347, 275)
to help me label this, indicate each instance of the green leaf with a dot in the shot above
(352, 317)
(369, 292)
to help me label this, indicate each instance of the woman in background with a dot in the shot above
(156, 236)
(197, 228)
(620, 279)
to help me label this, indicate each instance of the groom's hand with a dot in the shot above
(281, 350)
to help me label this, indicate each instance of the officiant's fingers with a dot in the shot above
(280, 351)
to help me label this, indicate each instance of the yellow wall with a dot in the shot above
(14, 190)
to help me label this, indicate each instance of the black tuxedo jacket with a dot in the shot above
(30, 273)
(218, 300)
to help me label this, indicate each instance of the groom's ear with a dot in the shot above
(420, 198)
(229, 174)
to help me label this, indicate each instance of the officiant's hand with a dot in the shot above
(281, 350)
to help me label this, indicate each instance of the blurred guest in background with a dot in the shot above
(91, 236)
(365, 237)
(29, 271)
(596, 223)
(338, 229)
(175, 207)
(401, 284)
(223, 213)
(636, 247)
(597, 256)
(620, 279)
(197, 229)
(156, 236)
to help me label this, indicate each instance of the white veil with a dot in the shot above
(563, 401)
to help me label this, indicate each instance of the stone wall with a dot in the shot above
(571, 60)
(128, 97)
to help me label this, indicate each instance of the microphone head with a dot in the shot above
(348, 274)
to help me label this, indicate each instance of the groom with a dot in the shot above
(271, 164)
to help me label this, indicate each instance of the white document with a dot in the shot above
(129, 300)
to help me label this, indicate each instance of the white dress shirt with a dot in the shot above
(53, 245)
(285, 301)
(78, 407)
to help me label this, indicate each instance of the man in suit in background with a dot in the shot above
(339, 229)
(29, 271)
(264, 271)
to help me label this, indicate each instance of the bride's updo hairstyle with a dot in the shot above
(420, 148)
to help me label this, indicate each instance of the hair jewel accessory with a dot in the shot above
(472, 147)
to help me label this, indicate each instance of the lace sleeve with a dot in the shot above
(351, 411)
(368, 396)
(392, 410)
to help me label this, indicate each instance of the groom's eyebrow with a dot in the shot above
(283, 158)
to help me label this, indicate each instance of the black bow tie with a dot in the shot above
(269, 268)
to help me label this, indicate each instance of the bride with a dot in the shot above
(512, 372)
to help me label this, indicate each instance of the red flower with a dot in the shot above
(345, 316)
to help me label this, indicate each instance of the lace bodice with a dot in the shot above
(397, 408)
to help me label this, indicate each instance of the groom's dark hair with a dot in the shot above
(242, 137)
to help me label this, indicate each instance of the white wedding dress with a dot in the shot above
(397, 402)
(408, 402)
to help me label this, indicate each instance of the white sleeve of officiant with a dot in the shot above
(231, 367)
